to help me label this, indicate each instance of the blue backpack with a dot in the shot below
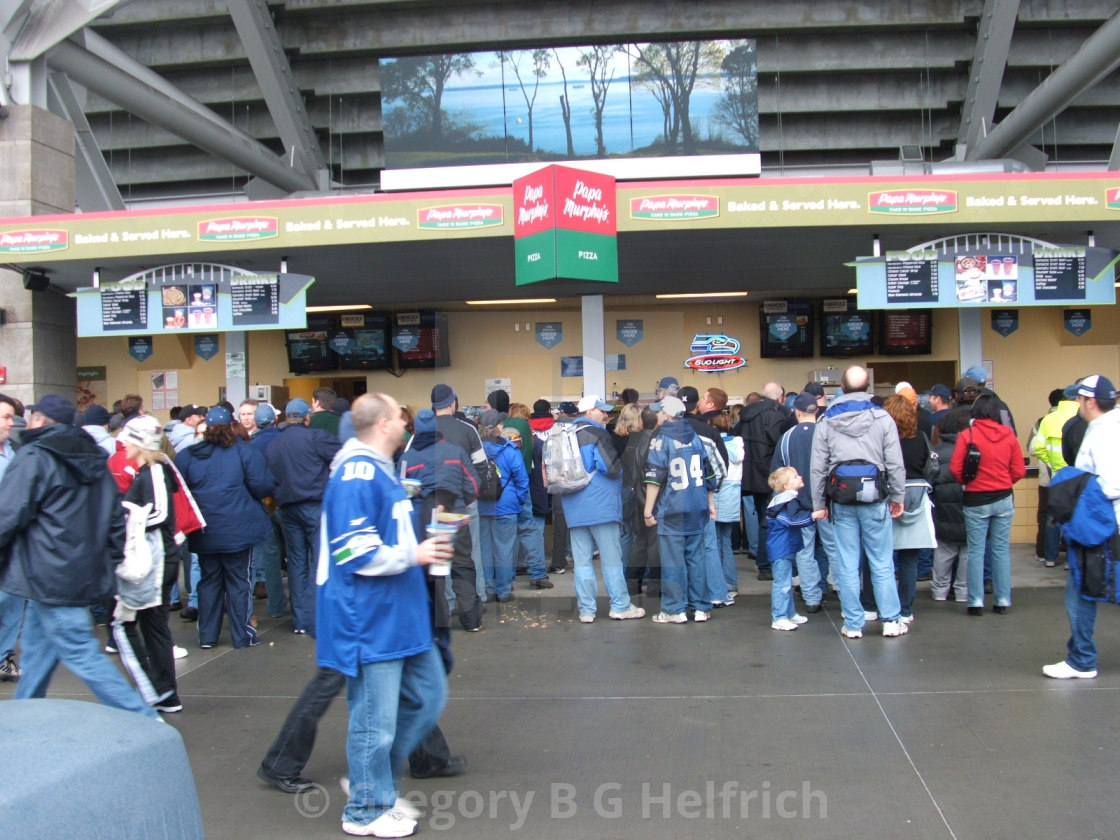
(1088, 523)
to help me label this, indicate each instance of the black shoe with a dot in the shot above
(975, 610)
(188, 614)
(765, 576)
(557, 570)
(812, 609)
(541, 583)
(293, 784)
(504, 599)
(456, 764)
(168, 705)
(999, 609)
(987, 587)
(174, 606)
(926, 576)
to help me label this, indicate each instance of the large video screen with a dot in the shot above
(845, 330)
(786, 329)
(422, 345)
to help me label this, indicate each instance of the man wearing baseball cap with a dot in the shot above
(593, 514)
(185, 432)
(940, 401)
(1100, 455)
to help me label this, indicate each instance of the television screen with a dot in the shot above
(788, 334)
(422, 345)
(846, 333)
(362, 343)
(906, 333)
(308, 349)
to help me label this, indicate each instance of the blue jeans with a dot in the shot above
(301, 538)
(1052, 538)
(585, 538)
(195, 575)
(530, 533)
(867, 528)
(266, 567)
(499, 550)
(63, 634)
(781, 590)
(761, 500)
(1081, 648)
(906, 565)
(683, 573)
(989, 529)
(750, 524)
(11, 619)
(727, 556)
(713, 564)
(807, 568)
(393, 705)
(476, 553)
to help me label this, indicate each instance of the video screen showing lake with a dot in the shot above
(650, 100)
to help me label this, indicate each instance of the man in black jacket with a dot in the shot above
(62, 531)
(761, 426)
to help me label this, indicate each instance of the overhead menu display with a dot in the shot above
(912, 277)
(193, 297)
(1023, 274)
(123, 309)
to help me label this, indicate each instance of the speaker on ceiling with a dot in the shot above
(35, 280)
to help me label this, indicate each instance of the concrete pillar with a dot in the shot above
(38, 344)
(594, 346)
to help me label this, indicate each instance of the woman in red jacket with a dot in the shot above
(989, 503)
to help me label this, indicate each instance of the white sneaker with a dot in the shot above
(870, 615)
(390, 824)
(906, 619)
(797, 618)
(851, 634)
(1064, 671)
(895, 628)
(783, 624)
(587, 619)
(700, 615)
(670, 618)
(407, 808)
(631, 611)
(180, 652)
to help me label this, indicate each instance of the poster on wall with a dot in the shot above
(630, 331)
(165, 389)
(92, 387)
(549, 333)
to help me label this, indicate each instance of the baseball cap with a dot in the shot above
(592, 401)
(1096, 386)
(967, 384)
(143, 431)
(57, 408)
(191, 410)
(264, 415)
(569, 408)
(97, 415)
(941, 391)
(670, 405)
(219, 415)
(442, 396)
(814, 388)
(294, 408)
(669, 385)
(542, 408)
(978, 373)
(491, 417)
(805, 402)
(689, 396)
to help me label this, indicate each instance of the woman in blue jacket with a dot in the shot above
(498, 519)
(228, 478)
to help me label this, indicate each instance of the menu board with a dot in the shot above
(786, 329)
(912, 277)
(308, 352)
(1059, 274)
(906, 333)
(124, 308)
(255, 300)
(845, 331)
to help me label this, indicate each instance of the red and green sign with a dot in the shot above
(565, 226)
(674, 207)
(237, 229)
(912, 202)
(32, 241)
(458, 216)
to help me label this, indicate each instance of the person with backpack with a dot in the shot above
(594, 514)
(498, 515)
(989, 503)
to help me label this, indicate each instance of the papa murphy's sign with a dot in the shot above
(565, 226)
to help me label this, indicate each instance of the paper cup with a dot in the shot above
(447, 535)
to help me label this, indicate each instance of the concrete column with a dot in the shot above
(38, 344)
(594, 346)
(237, 367)
(972, 336)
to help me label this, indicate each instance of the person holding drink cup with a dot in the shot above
(374, 622)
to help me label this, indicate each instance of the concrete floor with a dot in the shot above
(635, 730)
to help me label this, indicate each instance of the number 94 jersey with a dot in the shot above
(678, 464)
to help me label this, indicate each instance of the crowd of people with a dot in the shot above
(392, 523)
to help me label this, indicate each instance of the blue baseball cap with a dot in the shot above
(218, 415)
(297, 408)
(264, 414)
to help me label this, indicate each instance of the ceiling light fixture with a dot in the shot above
(342, 308)
(508, 301)
(701, 295)
(853, 291)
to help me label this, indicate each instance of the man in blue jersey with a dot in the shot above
(373, 622)
(679, 483)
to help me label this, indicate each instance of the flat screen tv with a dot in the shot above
(422, 345)
(906, 332)
(848, 333)
(789, 334)
(308, 350)
(363, 342)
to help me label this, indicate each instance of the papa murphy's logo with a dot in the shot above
(912, 202)
(33, 241)
(715, 353)
(1112, 198)
(673, 207)
(237, 229)
(458, 216)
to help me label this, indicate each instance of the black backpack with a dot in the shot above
(490, 485)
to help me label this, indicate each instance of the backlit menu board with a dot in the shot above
(1059, 274)
(123, 309)
(912, 277)
(255, 300)
(786, 329)
(906, 333)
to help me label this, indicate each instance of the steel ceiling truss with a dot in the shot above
(94, 187)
